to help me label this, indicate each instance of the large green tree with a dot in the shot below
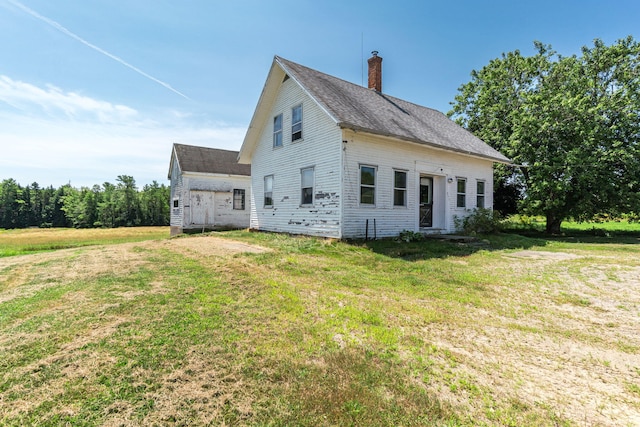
(154, 204)
(570, 124)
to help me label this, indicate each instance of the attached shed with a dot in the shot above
(210, 190)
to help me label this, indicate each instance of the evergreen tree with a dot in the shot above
(108, 205)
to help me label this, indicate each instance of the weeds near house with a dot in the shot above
(479, 221)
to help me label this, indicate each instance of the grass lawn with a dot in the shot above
(621, 228)
(17, 242)
(240, 328)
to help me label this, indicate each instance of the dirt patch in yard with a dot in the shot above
(209, 246)
(67, 265)
(567, 340)
(541, 255)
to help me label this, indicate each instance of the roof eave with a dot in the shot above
(355, 128)
(213, 174)
(174, 157)
(267, 96)
(292, 75)
(274, 79)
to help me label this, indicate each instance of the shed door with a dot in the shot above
(202, 203)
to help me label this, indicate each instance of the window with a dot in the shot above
(277, 131)
(480, 194)
(399, 188)
(296, 123)
(306, 197)
(176, 203)
(367, 185)
(238, 200)
(462, 193)
(268, 191)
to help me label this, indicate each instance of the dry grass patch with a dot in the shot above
(34, 240)
(280, 330)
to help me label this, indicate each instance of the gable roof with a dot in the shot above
(191, 158)
(365, 110)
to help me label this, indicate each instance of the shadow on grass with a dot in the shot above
(594, 235)
(432, 248)
(428, 248)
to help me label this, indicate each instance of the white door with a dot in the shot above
(202, 203)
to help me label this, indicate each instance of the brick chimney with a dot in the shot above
(375, 72)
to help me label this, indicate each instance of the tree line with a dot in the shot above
(108, 205)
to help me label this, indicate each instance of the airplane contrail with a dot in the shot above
(63, 30)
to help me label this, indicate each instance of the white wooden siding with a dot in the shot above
(336, 210)
(387, 155)
(319, 148)
(176, 220)
(220, 210)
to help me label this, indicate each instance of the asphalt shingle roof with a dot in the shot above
(209, 160)
(362, 109)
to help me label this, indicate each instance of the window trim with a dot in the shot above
(278, 133)
(302, 188)
(176, 203)
(361, 185)
(237, 191)
(480, 195)
(462, 194)
(265, 192)
(403, 189)
(294, 124)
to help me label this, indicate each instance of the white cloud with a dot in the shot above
(54, 101)
(53, 137)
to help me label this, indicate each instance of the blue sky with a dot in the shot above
(93, 89)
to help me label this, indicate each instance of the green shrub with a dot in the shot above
(479, 221)
(410, 236)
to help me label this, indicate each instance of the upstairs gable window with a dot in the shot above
(277, 131)
(296, 123)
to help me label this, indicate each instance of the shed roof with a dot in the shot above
(191, 158)
(362, 109)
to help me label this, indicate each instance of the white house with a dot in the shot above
(209, 189)
(335, 159)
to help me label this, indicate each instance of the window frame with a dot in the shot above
(302, 185)
(176, 203)
(265, 192)
(480, 196)
(367, 186)
(236, 192)
(461, 196)
(296, 126)
(278, 132)
(402, 189)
